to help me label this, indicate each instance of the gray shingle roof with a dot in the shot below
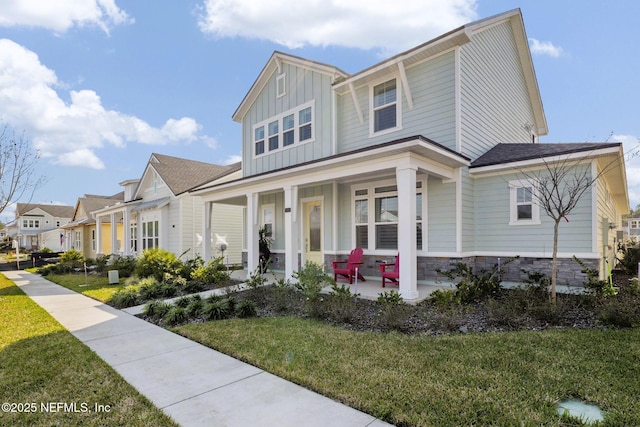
(507, 153)
(57, 211)
(183, 174)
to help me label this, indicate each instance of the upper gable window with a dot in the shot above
(385, 109)
(292, 127)
(280, 85)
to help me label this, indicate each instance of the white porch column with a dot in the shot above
(291, 240)
(206, 231)
(98, 235)
(253, 249)
(406, 181)
(126, 224)
(114, 233)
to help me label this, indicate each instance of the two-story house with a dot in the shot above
(419, 154)
(33, 219)
(158, 212)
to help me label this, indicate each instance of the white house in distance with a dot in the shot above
(420, 154)
(158, 211)
(34, 219)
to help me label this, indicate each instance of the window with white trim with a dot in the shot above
(150, 234)
(93, 240)
(380, 224)
(133, 243)
(385, 110)
(523, 207)
(292, 127)
(268, 220)
(77, 245)
(30, 223)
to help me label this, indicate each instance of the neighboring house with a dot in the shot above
(34, 219)
(407, 156)
(82, 234)
(631, 226)
(158, 211)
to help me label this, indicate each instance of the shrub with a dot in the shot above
(125, 265)
(156, 263)
(217, 310)
(597, 287)
(175, 316)
(393, 311)
(311, 280)
(621, 310)
(193, 287)
(46, 250)
(630, 259)
(474, 287)
(195, 307)
(213, 271)
(246, 309)
(72, 258)
(341, 303)
(149, 289)
(183, 301)
(444, 298)
(156, 309)
(101, 262)
(124, 297)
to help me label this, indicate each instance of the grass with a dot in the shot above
(42, 363)
(511, 378)
(96, 287)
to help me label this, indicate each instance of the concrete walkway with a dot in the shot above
(195, 385)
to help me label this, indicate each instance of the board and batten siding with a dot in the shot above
(494, 102)
(494, 234)
(302, 86)
(227, 227)
(432, 84)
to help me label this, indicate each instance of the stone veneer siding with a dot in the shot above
(569, 271)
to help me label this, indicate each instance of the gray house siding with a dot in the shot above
(432, 86)
(302, 86)
(494, 234)
(441, 218)
(495, 104)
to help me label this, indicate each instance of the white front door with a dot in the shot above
(313, 231)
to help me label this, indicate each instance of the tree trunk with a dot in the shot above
(554, 264)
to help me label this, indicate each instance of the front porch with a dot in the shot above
(369, 289)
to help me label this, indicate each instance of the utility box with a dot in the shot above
(114, 277)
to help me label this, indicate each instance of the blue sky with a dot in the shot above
(99, 85)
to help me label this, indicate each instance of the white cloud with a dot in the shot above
(69, 133)
(60, 15)
(544, 48)
(365, 24)
(631, 147)
(234, 158)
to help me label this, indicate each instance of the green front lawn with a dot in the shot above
(45, 368)
(513, 378)
(96, 287)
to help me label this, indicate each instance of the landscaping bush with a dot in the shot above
(471, 287)
(621, 310)
(156, 309)
(393, 311)
(597, 287)
(195, 307)
(246, 309)
(341, 303)
(125, 265)
(212, 271)
(156, 263)
(175, 316)
(125, 297)
(217, 309)
(630, 259)
(311, 280)
(72, 258)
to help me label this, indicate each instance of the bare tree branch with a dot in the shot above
(18, 174)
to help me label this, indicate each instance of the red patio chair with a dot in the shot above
(393, 276)
(349, 270)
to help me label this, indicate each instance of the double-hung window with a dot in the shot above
(385, 111)
(292, 127)
(523, 207)
(380, 225)
(150, 235)
(258, 140)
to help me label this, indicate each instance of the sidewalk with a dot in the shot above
(195, 385)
